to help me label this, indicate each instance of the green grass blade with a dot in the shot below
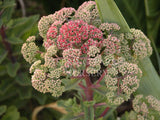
(150, 82)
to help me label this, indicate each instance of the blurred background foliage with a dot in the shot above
(18, 20)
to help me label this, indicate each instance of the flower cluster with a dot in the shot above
(29, 50)
(72, 34)
(122, 79)
(94, 64)
(145, 108)
(135, 45)
(77, 42)
(88, 12)
(109, 27)
(111, 45)
(54, 87)
(71, 56)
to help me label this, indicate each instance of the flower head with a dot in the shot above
(29, 51)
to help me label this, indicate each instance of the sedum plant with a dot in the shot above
(81, 51)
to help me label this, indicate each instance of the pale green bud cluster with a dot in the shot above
(135, 45)
(43, 83)
(93, 50)
(141, 45)
(50, 62)
(107, 59)
(122, 79)
(44, 24)
(38, 80)
(34, 66)
(51, 51)
(29, 50)
(56, 73)
(88, 12)
(109, 27)
(145, 108)
(54, 87)
(94, 64)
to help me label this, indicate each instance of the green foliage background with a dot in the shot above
(17, 97)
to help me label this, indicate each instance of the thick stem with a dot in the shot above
(99, 104)
(104, 112)
(88, 90)
(7, 45)
(102, 76)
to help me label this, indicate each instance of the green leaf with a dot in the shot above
(133, 11)
(152, 7)
(153, 24)
(31, 32)
(7, 4)
(5, 85)
(1, 23)
(102, 90)
(40, 97)
(3, 109)
(7, 12)
(11, 114)
(70, 83)
(22, 118)
(89, 110)
(109, 12)
(18, 27)
(25, 92)
(23, 79)
(150, 81)
(14, 40)
(3, 55)
(12, 69)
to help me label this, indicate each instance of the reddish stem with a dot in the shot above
(83, 87)
(88, 91)
(77, 77)
(7, 45)
(102, 76)
(104, 112)
(99, 104)
(118, 91)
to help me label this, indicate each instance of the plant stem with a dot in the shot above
(104, 112)
(88, 90)
(100, 104)
(102, 76)
(7, 45)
